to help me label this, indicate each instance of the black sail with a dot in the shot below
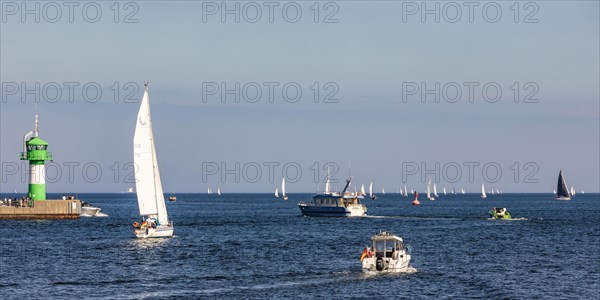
(561, 188)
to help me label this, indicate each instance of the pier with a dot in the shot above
(36, 210)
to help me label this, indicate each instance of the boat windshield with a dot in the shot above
(386, 248)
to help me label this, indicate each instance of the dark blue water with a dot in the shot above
(256, 246)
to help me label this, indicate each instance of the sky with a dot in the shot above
(489, 92)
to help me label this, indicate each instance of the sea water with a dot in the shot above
(259, 246)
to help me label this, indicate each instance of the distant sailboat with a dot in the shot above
(562, 192)
(554, 191)
(497, 191)
(483, 195)
(453, 190)
(283, 196)
(328, 183)
(362, 189)
(129, 190)
(429, 196)
(405, 191)
(462, 190)
(572, 191)
(150, 196)
(373, 197)
(383, 190)
(444, 190)
(219, 191)
(492, 191)
(435, 194)
(277, 192)
(209, 191)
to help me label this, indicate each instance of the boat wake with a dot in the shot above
(513, 219)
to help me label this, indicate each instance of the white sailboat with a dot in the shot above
(151, 200)
(277, 192)
(283, 196)
(209, 191)
(435, 194)
(328, 183)
(383, 190)
(572, 191)
(371, 191)
(444, 190)
(219, 191)
(483, 195)
(429, 196)
(492, 192)
(362, 189)
(462, 190)
(405, 191)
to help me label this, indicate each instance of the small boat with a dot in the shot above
(387, 254)
(445, 191)
(429, 196)
(435, 194)
(562, 192)
(151, 200)
(405, 192)
(362, 189)
(462, 191)
(483, 195)
(373, 197)
(276, 192)
(344, 204)
(130, 190)
(383, 190)
(88, 210)
(219, 191)
(209, 191)
(416, 201)
(172, 198)
(453, 191)
(499, 213)
(283, 196)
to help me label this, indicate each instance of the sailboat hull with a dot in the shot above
(158, 232)
(562, 198)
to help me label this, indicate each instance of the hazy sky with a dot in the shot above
(370, 62)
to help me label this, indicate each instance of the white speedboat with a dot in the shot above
(387, 254)
(88, 210)
(151, 200)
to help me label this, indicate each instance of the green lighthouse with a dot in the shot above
(35, 150)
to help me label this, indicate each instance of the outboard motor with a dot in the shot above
(380, 265)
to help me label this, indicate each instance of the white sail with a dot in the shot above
(572, 191)
(283, 187)
(405, 191)
(219, 191)
(276, 192)
(362, 189)
(371, 189)
(462, 190)
(209, 191)
(435, 191)
(444, 190)
(429, 189)
(483, 195)
(383, 190)
(328, 183)
(151, 200)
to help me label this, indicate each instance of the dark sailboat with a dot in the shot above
(562, 192)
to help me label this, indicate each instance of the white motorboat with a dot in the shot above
(88, 210)
(387, 254)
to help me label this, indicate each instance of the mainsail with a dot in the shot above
(151, 200)
(561, 188)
